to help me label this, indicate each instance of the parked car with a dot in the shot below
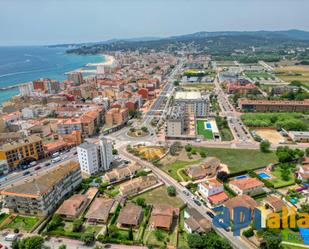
(210, 214)
(197, 202)
(37, 168)
(26, 173)
(47, 164)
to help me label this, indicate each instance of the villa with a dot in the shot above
(162, 216)
(208, 168)
(213, 191)
(246, 186)
(130, 215)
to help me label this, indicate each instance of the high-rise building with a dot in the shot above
(106, 153)
(95, 157)
(76, 78)
(26, 89)
(88, 158)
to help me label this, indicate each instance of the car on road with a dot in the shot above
(75, 153)
(26, 173)
(10, 237)
(197, 202)
(56, 159)
(210, 214)
(47, 164)
(37, 168)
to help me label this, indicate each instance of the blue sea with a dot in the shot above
(24, 64)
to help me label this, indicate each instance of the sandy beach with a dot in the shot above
(109, 61)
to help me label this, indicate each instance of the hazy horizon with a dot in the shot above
(47, 22)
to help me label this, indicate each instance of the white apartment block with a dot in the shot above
(26, 89)
(194, 102)
(94, 158)
(88, 158)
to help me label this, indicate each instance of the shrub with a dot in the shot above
(248, 233)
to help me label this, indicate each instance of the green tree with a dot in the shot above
(188, 147)
(307, 151)
(87, 238)
(264, 146)
(159, 235)
(144, 129)
(115, 152)
(77, 225)
(62, 247)
(171, 190)
(141, 202)
(223, 176)
(271, 240)
(33, 242)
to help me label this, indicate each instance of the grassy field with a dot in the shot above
(159, 196)
(93, 229)
(239, 159)
(278, 181)
(23, 223)
(198, 86)
(207, 133)
(173, 168)
(290, 73)
(261, 75)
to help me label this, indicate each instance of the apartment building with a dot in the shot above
(273, 105)
(106, 153)
(175, 121)
(95, 157)
(41, 194)
(88, 158)
(16, 153)
(194, 102)
(116, 116)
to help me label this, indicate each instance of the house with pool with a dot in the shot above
(208, 129)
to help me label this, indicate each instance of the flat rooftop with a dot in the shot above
(188, 95)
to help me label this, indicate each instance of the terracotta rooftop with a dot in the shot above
(218, 198)
(100, 209)
(41, 184)
(275, 202)
(241, 200)
(247, 183)
(130, 215)
(72, 206)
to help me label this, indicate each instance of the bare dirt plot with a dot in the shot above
(271, 135)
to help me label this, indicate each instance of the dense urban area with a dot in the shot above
(140, 151)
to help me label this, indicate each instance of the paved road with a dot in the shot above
(237, 242)
(18, 176)
(238, 129)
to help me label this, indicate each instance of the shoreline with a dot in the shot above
(109, 61)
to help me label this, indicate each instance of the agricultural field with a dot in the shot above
(158, 196)
(290, 73)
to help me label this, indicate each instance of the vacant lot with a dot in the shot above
(200, 87)
(239, 159)
(159, 196)
(272, 135)
(291, 73)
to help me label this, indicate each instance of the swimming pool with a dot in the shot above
(263, 175)
(207, 125)
(304, 232)
(241, 177)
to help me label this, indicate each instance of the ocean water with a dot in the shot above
(24, 64)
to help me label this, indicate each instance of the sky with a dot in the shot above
(41, 22)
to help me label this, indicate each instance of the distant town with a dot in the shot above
(142, 150)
